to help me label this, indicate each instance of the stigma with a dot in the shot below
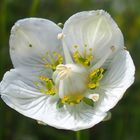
(63, 71)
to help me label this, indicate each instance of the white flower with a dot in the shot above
(67, 78)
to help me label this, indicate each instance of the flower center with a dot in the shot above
(71, 82)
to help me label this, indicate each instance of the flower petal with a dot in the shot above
(30, 40)
(118, 78)
(96, 30)
(17, 94)
(26, 100)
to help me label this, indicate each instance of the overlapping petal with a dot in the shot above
(30, 40)
(95, 29)
(119, 76)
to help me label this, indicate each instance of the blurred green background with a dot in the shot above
(125, 122)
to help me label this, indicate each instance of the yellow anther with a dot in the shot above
(51, 61)
(72, 100)
(84, 60)
(43, 78)
(94, 78)
(64, 99)
(46, 86)
(71, 104)
(51, 91)
(92, 85)
(59, 59)
(79, 98)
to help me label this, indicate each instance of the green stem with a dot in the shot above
(83, 135)
(78, 135)
(34, 7)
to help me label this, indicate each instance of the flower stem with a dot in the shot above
(34, 7)
(83, 135)
(78, 135)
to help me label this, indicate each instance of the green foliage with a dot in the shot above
(125, 122)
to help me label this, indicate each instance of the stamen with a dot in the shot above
(95, 77)
(84, 59)
(46, 86)
(51, 61)
(43, 78)
(72, 100)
